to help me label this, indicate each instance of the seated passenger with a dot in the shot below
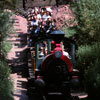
(39, 15)
(36, 31)
(42, 28)
(34, 21)
(50, 26)
(41, 54)
(65, 53)
(40, 20)
(43, 11)
(49, 9)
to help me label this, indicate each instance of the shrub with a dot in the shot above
(89, 66)
(5, 48)
(6, 27)
(5, 82)
(87, 15)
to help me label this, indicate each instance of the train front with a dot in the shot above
(56, 69)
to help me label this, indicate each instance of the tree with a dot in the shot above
(11, 4)
(6, 27)
(86, 34)
(88, 17)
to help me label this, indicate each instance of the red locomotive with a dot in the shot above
(52, 71)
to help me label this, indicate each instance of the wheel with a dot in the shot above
(33, 94)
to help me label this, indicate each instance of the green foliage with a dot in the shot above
(6, 28)
(10, 4)
(69, 31)
(87, 15)
(93, 81)
(5, 48)
(87, 54)
(5, 25)
(88, 62)
(86, 33)
(5, 82)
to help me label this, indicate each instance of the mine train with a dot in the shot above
(50, 69)
(50, 66)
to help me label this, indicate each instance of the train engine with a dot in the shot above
(53, 73)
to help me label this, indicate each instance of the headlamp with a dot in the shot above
(58, 54)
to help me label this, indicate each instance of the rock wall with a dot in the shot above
(63, 15)
(33, 3)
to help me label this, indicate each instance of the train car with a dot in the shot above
(51, 69)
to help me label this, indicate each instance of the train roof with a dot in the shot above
(57, 32)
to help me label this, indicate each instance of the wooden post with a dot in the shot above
(24, 3)
(57, 2)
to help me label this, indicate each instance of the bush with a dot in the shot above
(87, 15)
(5, 82)
(86, 34)
(92, 80)
(6, 27)
(69, 31)
(88, 62)
(5, 48)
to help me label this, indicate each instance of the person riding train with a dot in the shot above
(40, 21)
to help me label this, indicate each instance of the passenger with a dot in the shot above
(36, 31)
(42, 29)
(45, 47)
(65, 53)
(41, 21)
(39, 16)
(32, 11)
(28, 26)
(35, 9)
(34, 21)
(29, 15)
(46, 51)
(49, 9)
(41, 54)
(50, 26)
(40, 11)
(43, 11)
(44, 15)
(35, 12)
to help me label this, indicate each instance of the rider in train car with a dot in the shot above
(50, 25)
(40, 21)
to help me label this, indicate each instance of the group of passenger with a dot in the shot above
(40, 21)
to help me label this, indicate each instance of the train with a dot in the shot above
(50, 67)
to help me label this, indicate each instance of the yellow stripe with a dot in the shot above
(33, 62)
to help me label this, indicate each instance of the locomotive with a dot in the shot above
(53, 71)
